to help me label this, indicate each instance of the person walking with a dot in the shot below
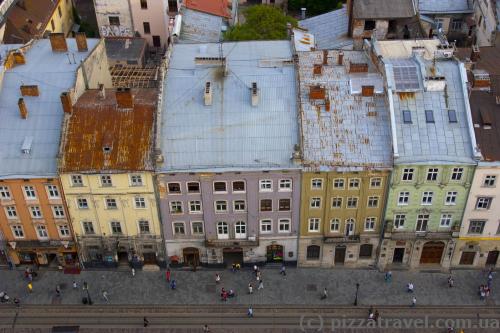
(261, 285)
(146, 322)
(75, 285)
(409, 287)
(250, 312)
(206, 329)
(173, 285)
(250, 288)
(217, 278)
(167, 275)
(105, 296)
(133, 271)
(413, 302)
(283, 270)
(30, 287)
(58, 291)
(325, 294)
(388, 276)
(255, 269)
(376, 315)
(450, 281)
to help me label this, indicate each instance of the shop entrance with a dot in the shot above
(340, 254)
(191, 256)
(467, 258)
(398, 256)
(492, 258)
(149, 258)
(274, 253)
(27, 258)
(232, 256)
(432, 253)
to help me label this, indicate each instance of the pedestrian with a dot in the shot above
(17, 302)
(450, 281)
(283, 270)
(30, 287)
(105, 296)
(388, 276)
(167, 275)
(75, 285)
(238, 266)
(146, 322)
(30, 277)
(217, 278)
(409, 287)
(255, 269)
(325, 294)
(375, 317)
(173, 285)
(58, 290)
(233, 268)
(250, 288)
(413, 302)
(223, 295)
(206, 329)
(133, 271)
(261, 285)
(250, 312)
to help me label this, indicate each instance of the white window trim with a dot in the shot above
(339, 225)
(266, 189)
(347, 202)
(403, 203)
(341, 203)
(343, 184)
(422, 203)
(461, 177)
(124, 232)
(151, 230)
(47, 190)
(220, 211)
(451, 203)
(192, 229)
(232, 186)
(14, 234)
(394, 221)
(349, 187)
(381, 182)
(412, 174)
(59, 231)
(170, 207)
(374, 223)
(187, 188)
(26, 196)
(7, 214)
(237, 235)
(73, 184)
(96, 232)
(285, 189)
(260, 226)
(222, 236)
(174, 193)
(317, 188)
(131, 184)
(441, 219)
(195, 211)
(239, 210)
(309, 224)
(289, 225)
(272, 206)
(106, 204)
(320, 203)
(39, 209)
(78, 205)
(53, 208)
(145, 203)
(173, 228)
(368, 201)
(103, 184)
(220, 192)
(7, 189)
(46, 230)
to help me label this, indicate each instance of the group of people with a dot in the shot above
(373, 315)
(168, 277)
(485, 289)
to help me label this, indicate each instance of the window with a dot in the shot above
(407, 117)
(58, 211)
(239, 205)
(456, 24)
(284, 225)
(144, 227)
(222, 230)
(336, 202)
(136, 180)
(314, 225)
(29, 192)
(59, 11)
(239, 186)
(82, 203)
(156, 41)
(41, 231)
(439, 23)
(365, 251)
(179, 228)
(429, 116)
(403, 198)
(451, 198)
(197, 228)
(445, 221)
(220, 206)
(483, 202)
(114, 20)
(369, 25)
(285, 185)
(432, 174)
(313, 252)
(220, 187)
(52, 25)
(4, 192)
(53, 191)
(370, 223)
(266, 185)
(88, 228)
(175, 207)
(284, 205)
(147, 28)
(489, 181)
(240, 230)
(266, 205)
(452, 116)
(35, 212)
(140, 202)
(352, 202)
(266, 226)
(338, 183)
(373, 202)
(63, 230)
(407, 175)
(353, 183)
(427, 198)
(334, 225)
(116, 228)
(11, 212)
(349, 227)
(144, 4)
(76, 180)
(422, 220)
(316, 184)
(174, 188)
(457, 173)
(399, 221)
(195, 206)
(375, 182)
(315, 202)
(476, 226)
(111, 203)
(17, 231)
(106, 181)
(193, 187)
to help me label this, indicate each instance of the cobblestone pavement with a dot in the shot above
(299, 286)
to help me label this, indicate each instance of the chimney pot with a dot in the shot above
(340, 59)
(22, 108)
(317, 70)
(325, 57)
(81, 42)
(208, 93)
(124, 98)
(475, 53)
(58, 42)
(66, 102)
(255, 94)
(29, 90)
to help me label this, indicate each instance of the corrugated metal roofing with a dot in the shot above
(329, 29)
(198, 27)
(231, 133)
(445, 6)
(53, 74)
(342, 131)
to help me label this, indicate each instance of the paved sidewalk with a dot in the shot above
(299, 286)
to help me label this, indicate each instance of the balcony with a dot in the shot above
(251, 241)
(342, 239)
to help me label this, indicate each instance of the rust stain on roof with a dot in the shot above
(214, 7)
(101, 136)
(406, 95)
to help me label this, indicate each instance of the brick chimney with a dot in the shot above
(81, 42)
(340, 59)
(475, 54)
(22, 108)
(367, 91)
(325, 57)
(58, 42)
(19, 58)
(124, 98)
(29, 90)
(67, 105)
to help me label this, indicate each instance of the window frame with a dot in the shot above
(370, 199)
(136, 180)
(483, 224)
(222, 225)
(51, 189)
(81, 200)
(427, 198)
(104, 180)
(76, 181)
(215, 191)
(335, 221)
(486, 199)
(457, 171)
(265, 188)
(405, 195)
(398, 217)
(59, 229)
(450, 198)
(171, 192)
(338, 200)
(41, 228)
(196, 203)
(36, 212)
(316, 184)
(112, 226)
(193, 232)
(339, 181)
(490, 181)
(5, 193)
(379, 182)
(266, 201)
(356, 200)
(407, 173)
(16, 229)
(357, 182)
(182, 227)
(432, 174)
(85, 229)
(107, 202)
(141, 201)
(317, 223)
(282, 188)
(238, 202)
(421, 218)
(193, 192)
(282, 222)
(220, 202)
(266, 222)
(284, 209)
(239, 191)
(446, 217)
(310, 252)
(56, 209)
(240, 235)
(176, 211)
(31, 190)
(140, 227)
(11, 212)
(315, 203)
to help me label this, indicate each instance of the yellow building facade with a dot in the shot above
(62, 18)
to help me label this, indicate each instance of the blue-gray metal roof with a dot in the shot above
(231, 133)
(445, 6)
(53, 74)
(198, 27)
(329, 29)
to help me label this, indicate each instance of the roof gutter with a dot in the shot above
(391, 112)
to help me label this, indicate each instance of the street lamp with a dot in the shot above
(356, 298)
(86, 287)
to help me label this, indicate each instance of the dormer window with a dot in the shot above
(407, 117)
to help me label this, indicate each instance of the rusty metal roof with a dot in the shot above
(97, 123)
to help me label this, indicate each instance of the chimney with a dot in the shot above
(19, 58)
(22, 108)
(58, 42)
(317, 70)
(208, 93)
(102, 91)
(327, 104)
(29, 90)
(340, 59)
(367, 91)
(124, 98)
(303, 13)
(475, 53)
(255, 94)
(67, 105)
(81, 42)
(325, 57)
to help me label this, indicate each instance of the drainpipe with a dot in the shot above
(384, 224)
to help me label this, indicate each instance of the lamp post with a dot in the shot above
(86, 287)
(356, 298)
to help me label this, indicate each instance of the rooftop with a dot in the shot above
(198, 27)
(344, 116)
(102, 136)
(380, 9)
(213, 7)
(230, 133)
(125, 48)
(53, 74)
(329, 29)
(445, 6)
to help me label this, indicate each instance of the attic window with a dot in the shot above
(452, 116)
(407, 117)
(429, 116)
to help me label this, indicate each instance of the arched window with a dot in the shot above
(349, 227)
(240, 230)
(222, 230)
(313, 252)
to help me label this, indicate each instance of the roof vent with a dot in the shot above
(29, 90)
(317, 92)
(208, 93)
(255, 94)
(58, 42)
(81, 42)
(26, 147)
(102, 92)
(22, 108)
(481, 80)
(475, 53)
(340, 58)
(317, 70)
